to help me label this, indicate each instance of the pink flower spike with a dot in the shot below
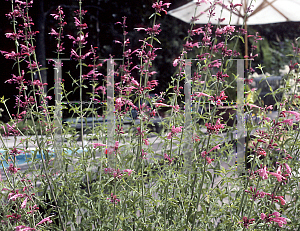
(253, 106)
(161, 105)
(263, 216)
(13, 198)
(263, 173)
(23, 205)
(129, 171)
(159, 6)
(279, 220)
(296, 114)
(288, 122)
(287, 168)
(199, 94)
(23, 228)
(214, 148)
(116, 145)
(47, 219)
(278, 176)
(276, 214)
(99, 145)
(282, 201)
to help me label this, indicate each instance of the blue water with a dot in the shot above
(22, 158)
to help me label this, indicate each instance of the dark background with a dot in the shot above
(101, 18)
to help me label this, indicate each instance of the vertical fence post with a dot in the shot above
(58, 112)
(187, 115)
(110, 117)
(240, 113)
(240, 132)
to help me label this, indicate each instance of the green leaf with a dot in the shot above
(156, 40)
(151, 15)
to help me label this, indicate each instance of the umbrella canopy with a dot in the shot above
(261, 12)
(243, 12)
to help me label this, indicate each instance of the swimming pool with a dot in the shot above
(27, 158)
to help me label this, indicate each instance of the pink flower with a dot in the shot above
(159, 6)
(255, 193)
(167, 157)
(218, 99)
(199, 94)
(190, 45)
(296, 114)
(116, 173)
(174, 131)
(116, 145)
(228, 29)
(208, 160)
(247, 222)
(169, 136)
(13, 169)
(282, 201)
(161, 105)
(23, 205)
(79, 25)
(146, 141)
(134, 82)
(263, 173)
(129, 171)
(214, 128)
(261, 152)
(263, 216)
(277, 174)
(175, 62)
(54, 33)
(287, 168)
(219, 31)
(77, 57)
(214, 148)
(288, 122)
(113, 198)
(176, 108)
(255, 106)
(99, 145)
(47, 219)
(23, 228)
(279, 220)
(204, 153)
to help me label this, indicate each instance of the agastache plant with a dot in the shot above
(184, 175)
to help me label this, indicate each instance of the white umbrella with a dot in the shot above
(261, 12)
